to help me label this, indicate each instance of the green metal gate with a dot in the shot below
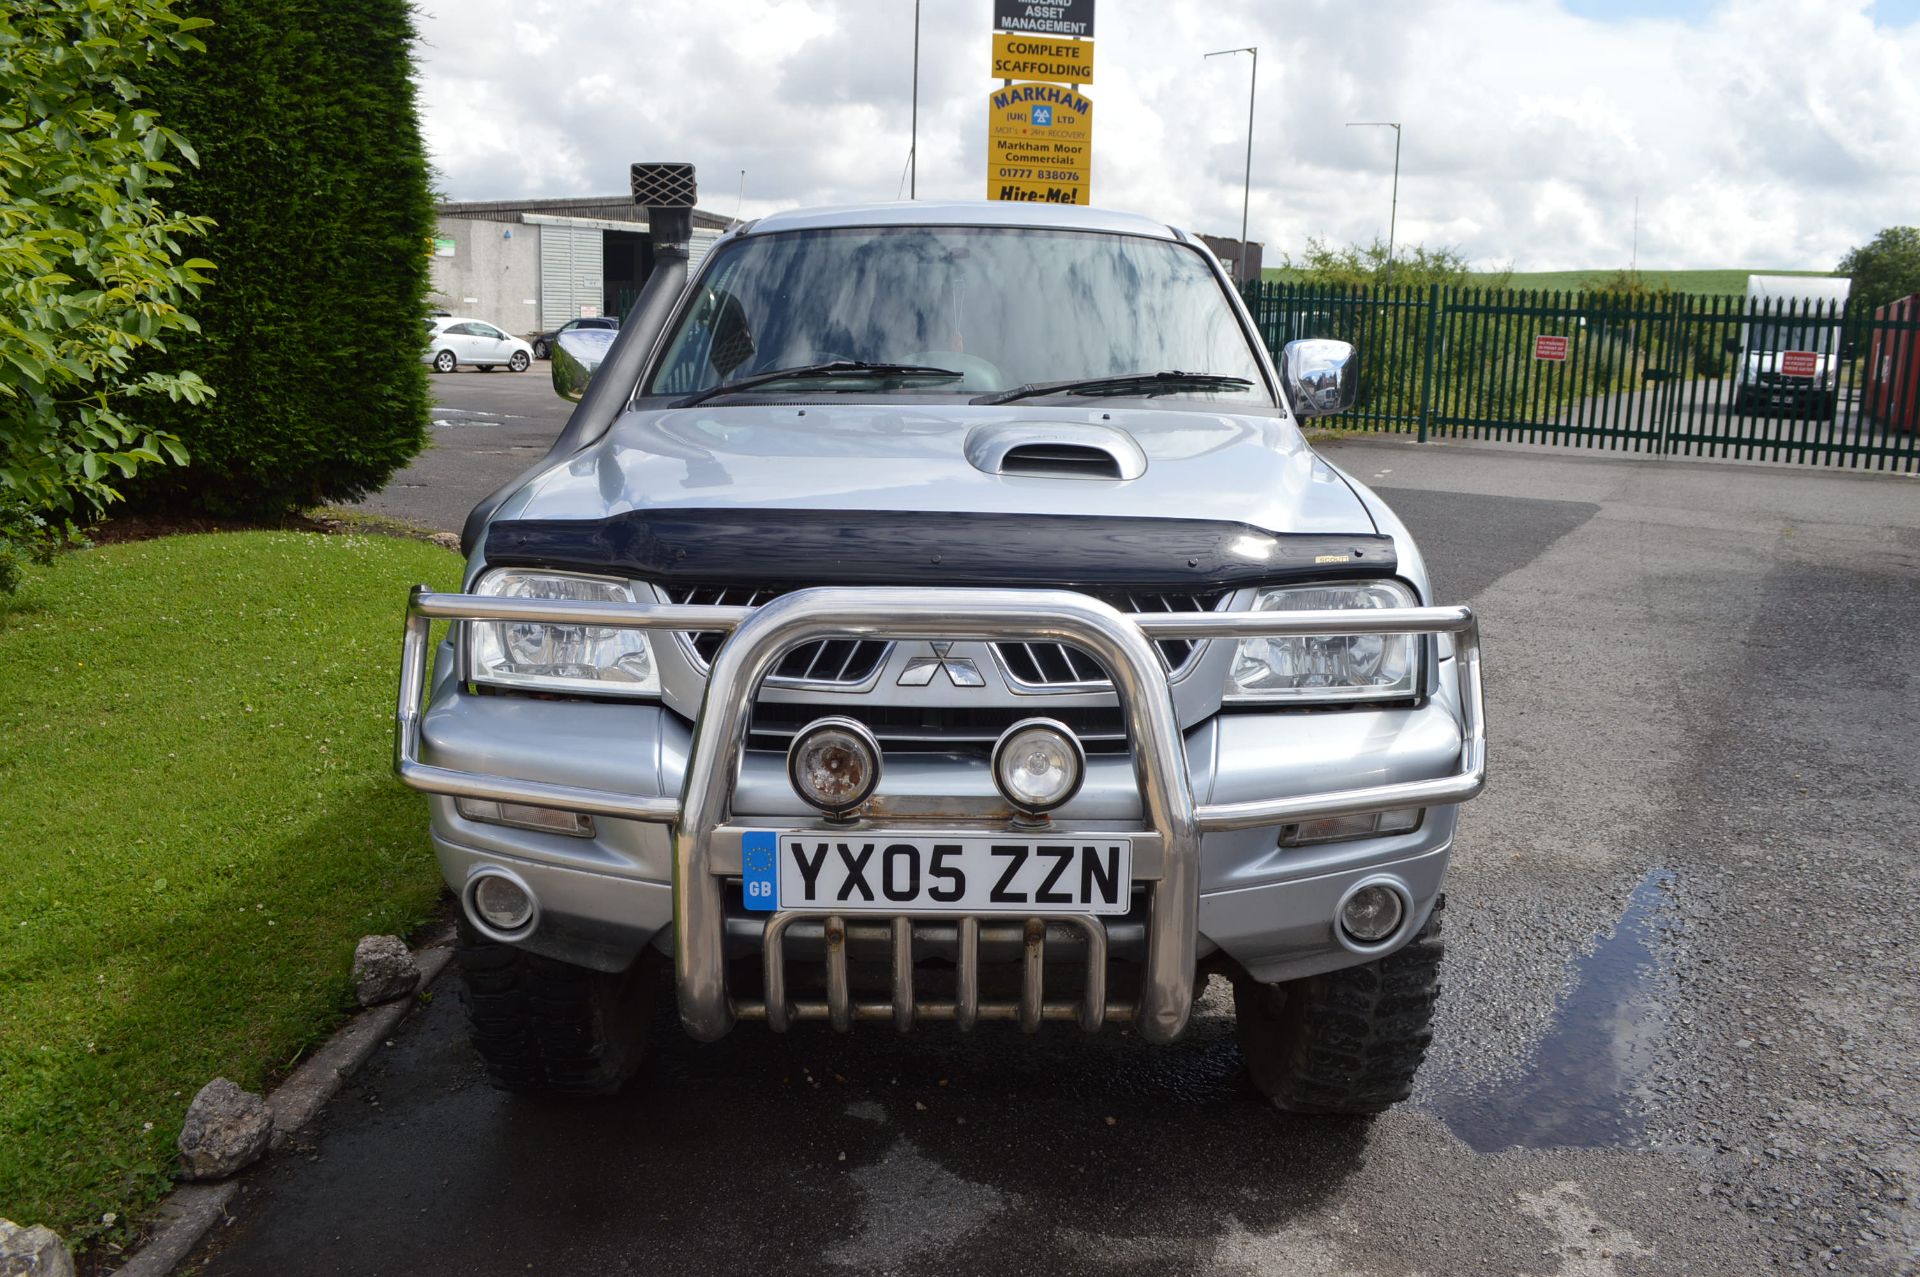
(1669, 374)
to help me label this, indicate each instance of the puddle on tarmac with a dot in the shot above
(1581, 1088)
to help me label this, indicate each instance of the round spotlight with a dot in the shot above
(1038, 765)
(499, 903)
(834, 763)
(1372, 913)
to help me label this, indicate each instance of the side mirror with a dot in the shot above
(576, 354)
(1321, 377)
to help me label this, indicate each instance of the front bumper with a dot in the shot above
(672, 805)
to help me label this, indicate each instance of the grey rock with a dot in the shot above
(227, 1129)
(383, 970)
(32, 1252)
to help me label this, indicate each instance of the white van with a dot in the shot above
(1790, 345)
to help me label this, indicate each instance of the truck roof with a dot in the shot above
(1065, 217)
(1799, 287)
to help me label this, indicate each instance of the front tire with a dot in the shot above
(519, 361)
(1347, 1042)
(445, 362)
(542, 1026)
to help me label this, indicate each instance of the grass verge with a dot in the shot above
(198, 823)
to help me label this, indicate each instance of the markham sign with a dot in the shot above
(1039, 144)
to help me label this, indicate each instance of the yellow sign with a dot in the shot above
(1039, 144)
(1033, 57)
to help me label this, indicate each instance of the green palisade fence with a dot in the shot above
(1664, 373)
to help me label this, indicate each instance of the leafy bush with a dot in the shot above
(1413, 265)
(312, 165)
(1885, 270)
(92, 272)
(28, 536)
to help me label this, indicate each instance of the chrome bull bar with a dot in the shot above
(706, 844)
(902, 1008)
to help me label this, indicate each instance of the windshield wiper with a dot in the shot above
(1124, 383)
(849, 369)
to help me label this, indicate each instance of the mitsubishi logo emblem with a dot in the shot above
(960, 671)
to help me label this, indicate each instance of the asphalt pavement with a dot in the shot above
(487, 428)
(1678, 1030)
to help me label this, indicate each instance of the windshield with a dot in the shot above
(1002, 306)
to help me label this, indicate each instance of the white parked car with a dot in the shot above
(453, 340)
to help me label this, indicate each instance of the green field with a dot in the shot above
(199, 823)
(1731, 283)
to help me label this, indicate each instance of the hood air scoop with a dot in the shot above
(1055, 450)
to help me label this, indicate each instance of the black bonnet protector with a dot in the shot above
(781, 547)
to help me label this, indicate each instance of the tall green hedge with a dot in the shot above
(312, 167)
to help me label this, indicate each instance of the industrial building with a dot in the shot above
(1230, 251)
(530, 265)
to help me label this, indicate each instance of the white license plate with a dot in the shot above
(905, 873)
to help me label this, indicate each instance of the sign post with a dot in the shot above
(1040, 135)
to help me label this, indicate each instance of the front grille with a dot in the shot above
(1061, 666)
(924, 729)
(1030, 666)
(830, 662)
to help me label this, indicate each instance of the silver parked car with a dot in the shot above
(453, 340)
(933, 613)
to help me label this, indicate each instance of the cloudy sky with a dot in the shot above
(1755, 133)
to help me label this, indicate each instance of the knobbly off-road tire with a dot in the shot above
(548, 1027)
(1347, 1042)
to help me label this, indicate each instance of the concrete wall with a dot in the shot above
(494, 273)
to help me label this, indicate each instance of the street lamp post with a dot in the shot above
(1246, 191)
(913, 147)
(1393, 212)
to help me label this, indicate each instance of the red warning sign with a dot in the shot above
(1553, 348)
(1799, 363)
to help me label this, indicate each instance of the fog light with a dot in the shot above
(1038, 765)
(834, 763)
(501, 903)
(574, 824)
(1372, 913)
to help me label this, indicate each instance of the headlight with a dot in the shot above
(1333, 667)
(602, 660)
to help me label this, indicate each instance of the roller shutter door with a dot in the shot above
(697, 250)
(572, 273)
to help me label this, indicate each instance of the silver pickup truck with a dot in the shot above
(933, 614)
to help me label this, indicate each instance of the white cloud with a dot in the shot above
(1769, 133)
